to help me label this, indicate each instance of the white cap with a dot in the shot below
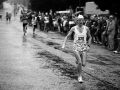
(111, 16)
(80, 17)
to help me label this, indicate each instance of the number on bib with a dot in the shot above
(81, 39)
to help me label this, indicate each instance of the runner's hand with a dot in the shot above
(63, 46)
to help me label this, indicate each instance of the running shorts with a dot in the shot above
(24, 24)
(79, 47)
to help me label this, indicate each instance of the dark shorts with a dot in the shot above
(0, 16)
(35, 26)
(24, 24)
(7, 18)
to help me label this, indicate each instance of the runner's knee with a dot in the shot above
(77, 55)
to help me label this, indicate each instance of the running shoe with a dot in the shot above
(80, 79)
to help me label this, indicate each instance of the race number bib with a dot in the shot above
(81, 39)
(80, 44)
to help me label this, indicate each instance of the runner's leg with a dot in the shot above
(84, 58)
(6, 20)
(34, 29)
(79, 64)
(9, 20)
(24, 28)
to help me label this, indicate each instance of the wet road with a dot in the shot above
(37, 63)
(22, 67)
(25, 66)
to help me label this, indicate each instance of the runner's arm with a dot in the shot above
(69, 34)
(89, 37)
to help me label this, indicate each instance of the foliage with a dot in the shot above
(46, 5)
(112, 6)
(1, 1)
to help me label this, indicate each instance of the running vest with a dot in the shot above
(80, 37)
(46, 19)
(34, 21)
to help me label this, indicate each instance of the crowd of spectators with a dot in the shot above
(105, 29)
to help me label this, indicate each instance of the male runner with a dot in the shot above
(25, 22)
(34, 22)
(7, 17)
(82, 41)
(1, 16)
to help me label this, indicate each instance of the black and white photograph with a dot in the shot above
(59, 45)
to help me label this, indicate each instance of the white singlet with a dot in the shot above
(34, 21)
(80, 43)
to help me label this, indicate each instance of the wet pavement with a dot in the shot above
(22, 67)
(38, 62)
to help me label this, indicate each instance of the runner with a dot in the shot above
(34, 23)
(7, 17)
(81, 45)
(25, 22)
(1, 16)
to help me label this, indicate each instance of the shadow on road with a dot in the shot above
(34, 36)
(80, 86)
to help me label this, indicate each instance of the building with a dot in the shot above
(91, 8)
(23, 2)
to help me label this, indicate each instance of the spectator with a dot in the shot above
(46, 22)
(118, 38)
(59, 23)
(111, 33)
(51, 21)
(104, 33)
(65, 24)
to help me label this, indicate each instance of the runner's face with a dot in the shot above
(80, 21)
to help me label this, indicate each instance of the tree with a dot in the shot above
(1, 1)
(112, 6)
(40, 5)
(55, 5)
